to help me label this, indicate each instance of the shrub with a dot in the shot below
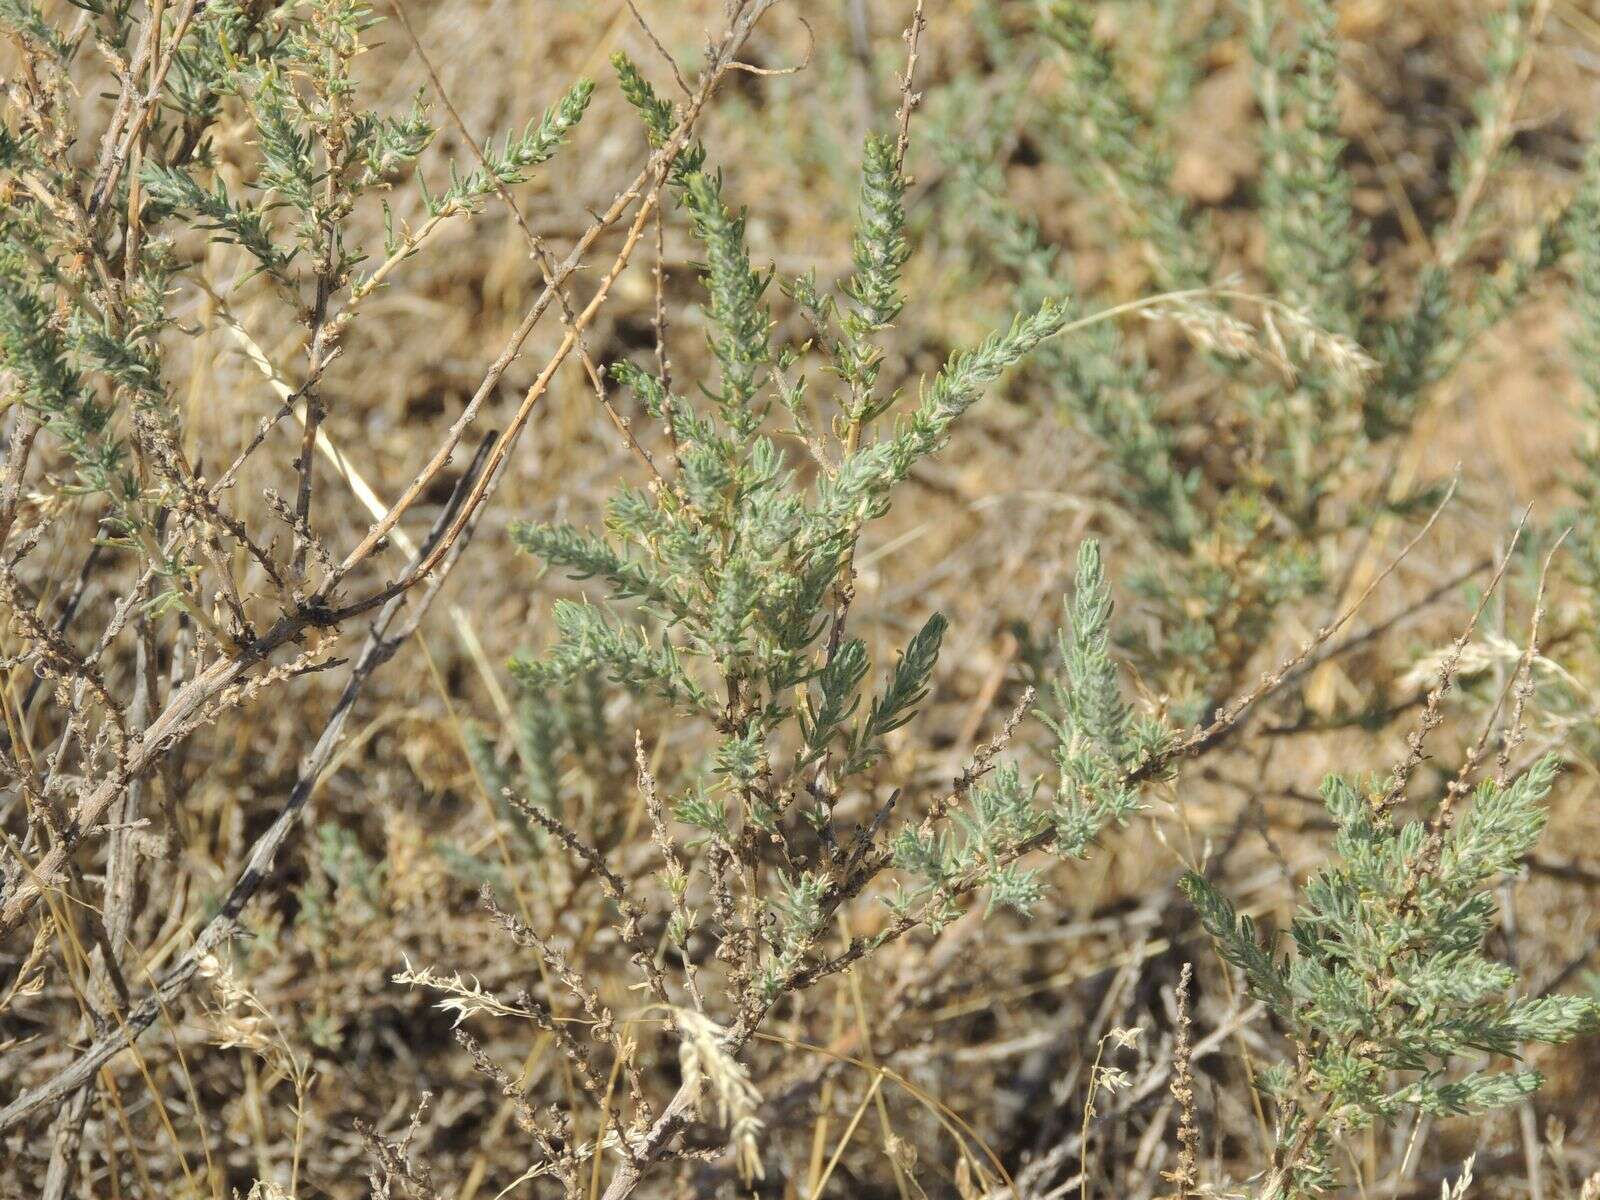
(727, 849)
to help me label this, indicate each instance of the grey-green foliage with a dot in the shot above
(517, 156)
(1584, 233)
(320, 153)
(1388, 997)
(1002, 812)
(82, 357)
(89, 264)
(1581, 548)
(552, 732)
(732, 557)
(343, 891)
(1314, 238)
(1103, 753)
(1455, 302)
(1245, 487)
(319, 150)
(1099, 111)
(1103, 375)
(1102, 746)
(726, 583)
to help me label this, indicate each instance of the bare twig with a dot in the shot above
(380, 646)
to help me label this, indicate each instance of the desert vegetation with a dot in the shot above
(990, 599)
